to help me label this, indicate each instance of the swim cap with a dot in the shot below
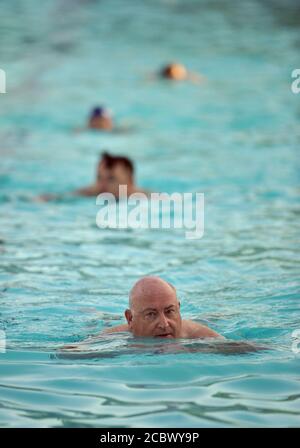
(100, 112)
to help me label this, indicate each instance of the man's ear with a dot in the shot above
(128, 315)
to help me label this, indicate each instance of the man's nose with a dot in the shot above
(163, 321)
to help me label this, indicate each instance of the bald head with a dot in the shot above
(148, 289)
(154, 309)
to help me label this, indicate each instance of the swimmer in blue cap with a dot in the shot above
(100, 119)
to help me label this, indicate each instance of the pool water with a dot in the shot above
(235, 138)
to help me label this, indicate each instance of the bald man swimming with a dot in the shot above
(154, 312)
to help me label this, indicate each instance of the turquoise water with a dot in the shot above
(235, 138)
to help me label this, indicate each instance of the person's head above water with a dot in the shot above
(174, 71)
(114, 171)
(114, 175)
(154, 310)
(100, 118)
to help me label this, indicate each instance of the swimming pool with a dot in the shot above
(234, 138)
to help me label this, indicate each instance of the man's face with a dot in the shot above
(109, 179)
(157, 317)
(101, 123)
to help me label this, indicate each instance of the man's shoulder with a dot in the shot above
(192, 329)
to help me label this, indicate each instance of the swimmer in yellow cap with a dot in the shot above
(178, 72)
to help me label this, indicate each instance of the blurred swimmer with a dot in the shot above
(178, 72)
(100, 119)
(112, 172)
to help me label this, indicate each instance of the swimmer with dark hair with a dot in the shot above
(112, 172)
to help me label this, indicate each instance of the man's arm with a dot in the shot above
(92, 190)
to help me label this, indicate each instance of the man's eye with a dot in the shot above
(150, 315)
(170, 311)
